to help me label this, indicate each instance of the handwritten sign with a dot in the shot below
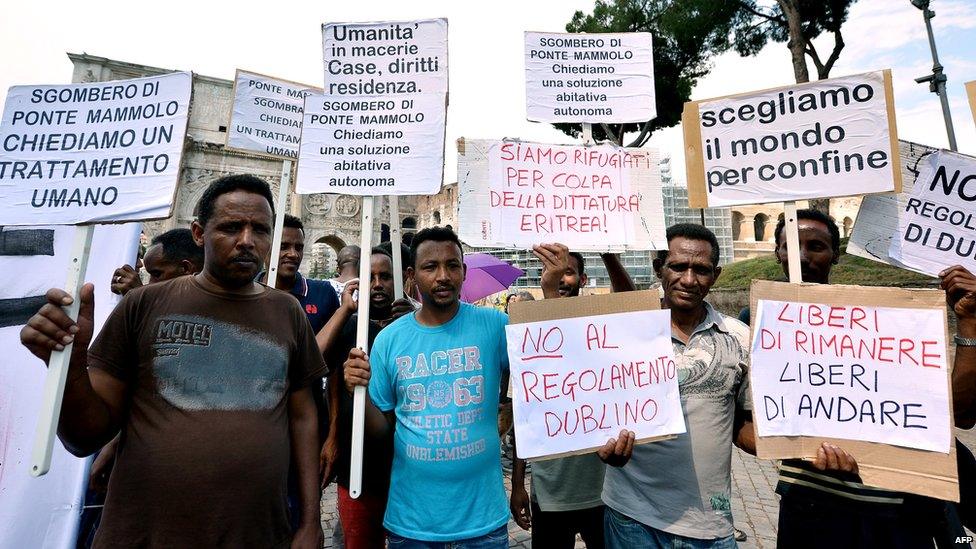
(589, 77)
(267, 114)
(96, 152)
(937, 227)
(596, 198)
(576, 382)
(378, 129)
(824, 139)
(877, 218)
(876, 374)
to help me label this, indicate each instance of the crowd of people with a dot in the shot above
(220, 407)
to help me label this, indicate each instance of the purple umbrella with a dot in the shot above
(487, 275)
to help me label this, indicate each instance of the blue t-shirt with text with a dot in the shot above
(443, 383)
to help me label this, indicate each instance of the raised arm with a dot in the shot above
(329, 333)
(620, 280)
(960, 288)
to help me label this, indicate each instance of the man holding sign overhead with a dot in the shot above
(566, 491)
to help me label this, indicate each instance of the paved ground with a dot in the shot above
(755, 505)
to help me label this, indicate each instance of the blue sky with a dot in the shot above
(486, 52)
(880, 34)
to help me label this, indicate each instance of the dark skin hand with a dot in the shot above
(124, 279)
(561, 278)
(93, 405)
(832, 458)
(960, 288)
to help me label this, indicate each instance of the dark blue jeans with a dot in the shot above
(623, 532)
(497, 539)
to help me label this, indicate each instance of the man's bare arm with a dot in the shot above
(620, 280)
(329, 333)
(744, 431)
(960, 287)
(303, 428)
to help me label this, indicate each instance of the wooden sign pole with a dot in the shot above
(395, 240)
(284, 189)
(792, 241)
(57, 370)
(362, 342)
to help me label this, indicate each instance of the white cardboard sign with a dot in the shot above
(578, 381)
(937, 227)
(385, 58)
(378, 129)
(818, 140)
(589, 77)
(96, 152)
(876, 374)
(267, 114)
(358, 145)
(597, 198)
(44, 511)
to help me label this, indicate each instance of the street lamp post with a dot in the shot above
(936, 80)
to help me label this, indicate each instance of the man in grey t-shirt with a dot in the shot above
(566, 491)
(678, 492)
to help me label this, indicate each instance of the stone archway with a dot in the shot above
(737, 220)
(759, 226)
(321, 258)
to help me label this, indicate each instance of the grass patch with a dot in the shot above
(850, 270)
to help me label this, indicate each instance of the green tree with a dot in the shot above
(686, 34)
(798, 23)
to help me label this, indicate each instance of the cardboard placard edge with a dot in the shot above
(695, 173)
(594, 449)
(936, 474)
(230, 120)
(523, 312)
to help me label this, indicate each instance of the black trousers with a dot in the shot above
(809, 521)
(558, 529)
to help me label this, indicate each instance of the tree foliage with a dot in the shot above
(687, 33)
(798, 23)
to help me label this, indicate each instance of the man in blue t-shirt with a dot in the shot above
(435, 380)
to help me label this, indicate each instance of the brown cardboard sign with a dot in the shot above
(971, 93)
(834, 309)
(583, 368)
(821, 139)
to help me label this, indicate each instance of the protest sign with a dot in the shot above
(971, 93)
(378, 129)
(44, 512)
(937, 229)
(95, 152)
(862, 368)
(598, 198)
(267, 115)
(823, 139)
(607, 77)
(877, 218)
(583, 368)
